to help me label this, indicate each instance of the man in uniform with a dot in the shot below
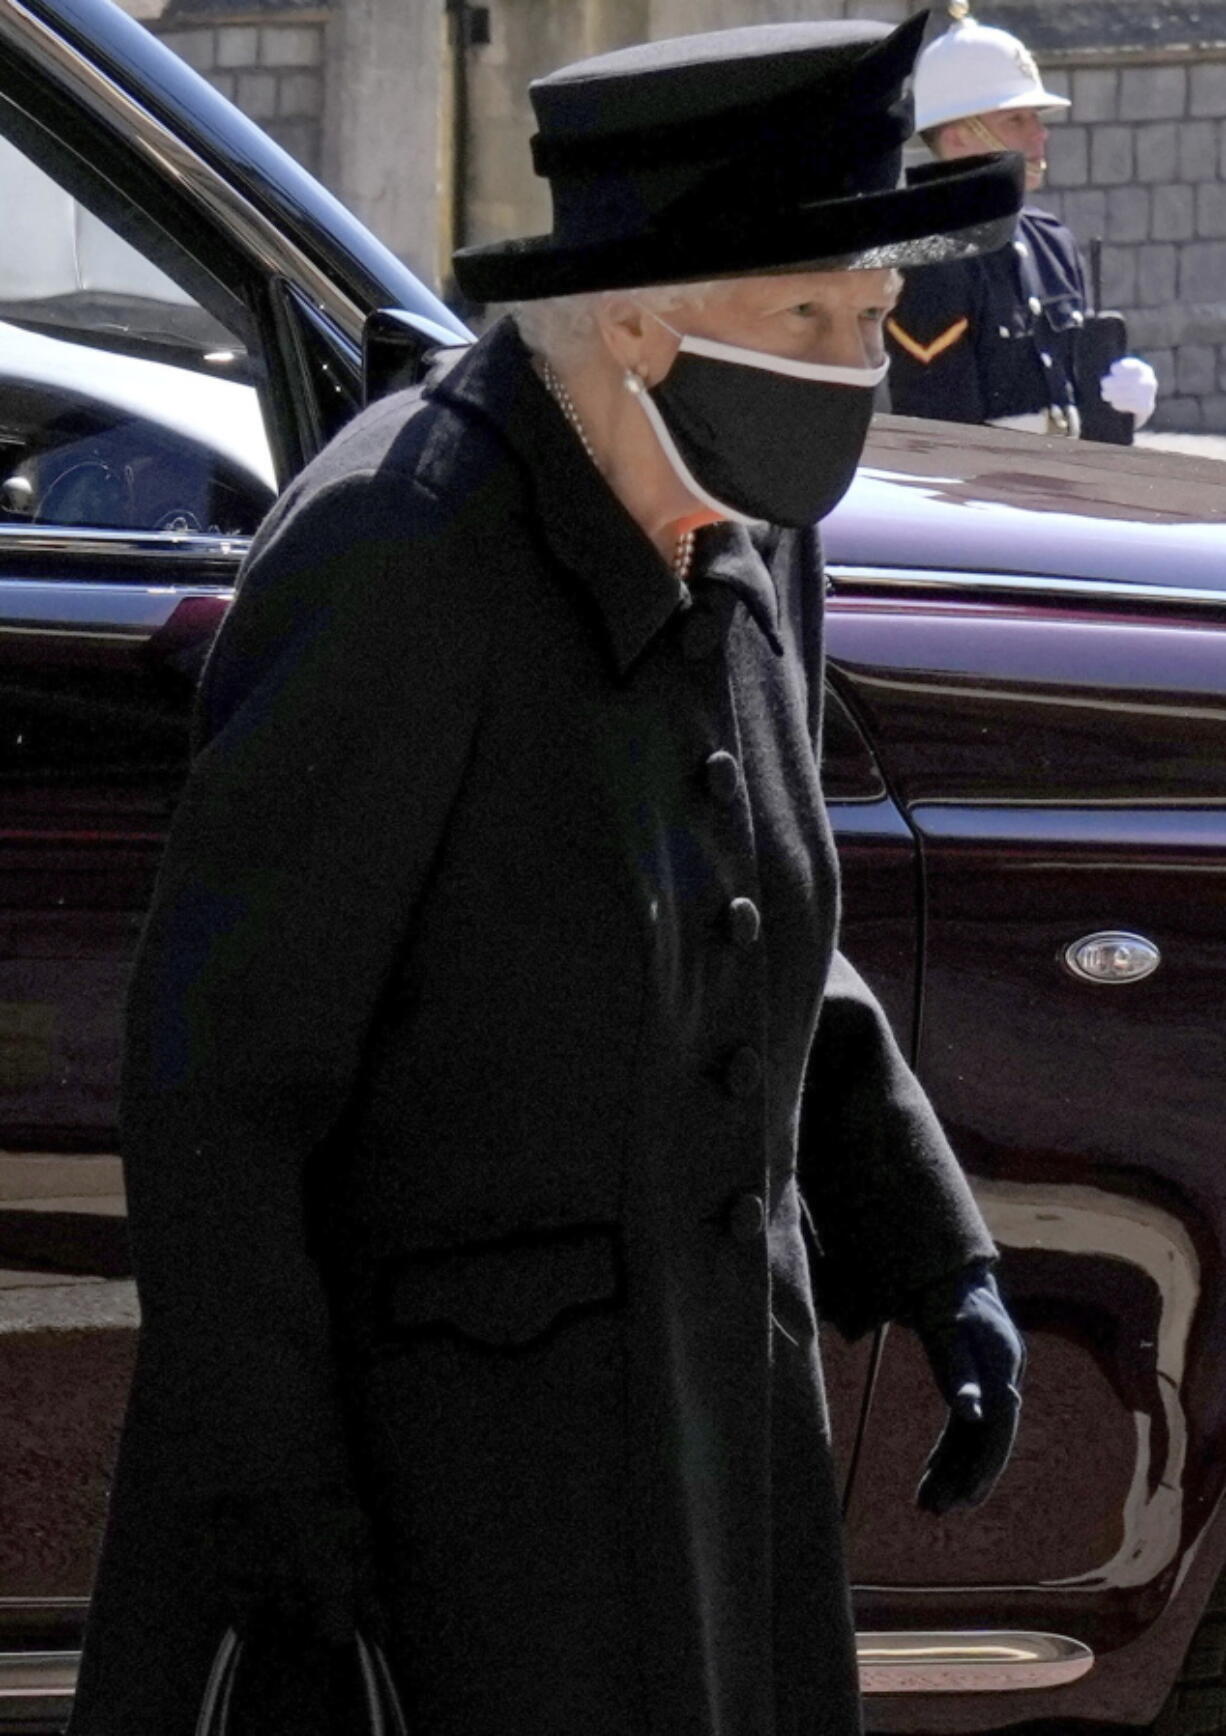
(1001, 338)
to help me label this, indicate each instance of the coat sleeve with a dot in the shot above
(891, 1207)
(932, 337)
(337, 714)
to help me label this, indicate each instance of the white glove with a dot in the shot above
(1131, 387)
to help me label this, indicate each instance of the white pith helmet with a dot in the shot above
(974, 69)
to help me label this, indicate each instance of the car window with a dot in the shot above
(124, 404)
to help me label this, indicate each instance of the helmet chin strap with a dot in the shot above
(979, 127)
(983, 132)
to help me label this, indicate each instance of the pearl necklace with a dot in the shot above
(683, 554)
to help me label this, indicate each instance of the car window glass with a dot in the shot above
(124, 404)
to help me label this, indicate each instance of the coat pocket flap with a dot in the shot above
(506, 1293)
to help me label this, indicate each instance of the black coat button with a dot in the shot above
(744, 922)
(743, 1073)
(747, 1217)
(701, 635)
(723, 777)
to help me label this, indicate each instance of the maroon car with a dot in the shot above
(1026, 763)
(1028, 775)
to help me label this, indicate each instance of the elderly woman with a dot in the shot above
(480, 1249)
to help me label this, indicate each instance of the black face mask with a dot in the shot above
(755, 436)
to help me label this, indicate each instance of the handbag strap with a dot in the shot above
(384, 1714)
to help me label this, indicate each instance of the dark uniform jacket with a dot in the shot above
(465, 1063)
(979, 339)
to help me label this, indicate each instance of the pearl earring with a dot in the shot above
(634, 382)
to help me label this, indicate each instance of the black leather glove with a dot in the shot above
(296, 1562)
(977, 1358)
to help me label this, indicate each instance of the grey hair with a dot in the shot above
(562, 328)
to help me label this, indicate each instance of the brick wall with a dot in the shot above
(270, 63)
(1141, 162)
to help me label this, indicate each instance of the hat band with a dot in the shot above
(742, 194)
(738, 200)
(776, 127)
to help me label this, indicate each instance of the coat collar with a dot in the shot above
(739, 557)
(586, 526)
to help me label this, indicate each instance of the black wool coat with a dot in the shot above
(464, 1072)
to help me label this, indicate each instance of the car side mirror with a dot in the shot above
(395, 347)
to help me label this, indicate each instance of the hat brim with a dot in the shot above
(947, 210)
(1043, 102)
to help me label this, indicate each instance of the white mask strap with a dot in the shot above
(682, 469)
(821, 373)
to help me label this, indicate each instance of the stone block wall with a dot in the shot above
(353, 89)
(1140, 161)
(268, 62)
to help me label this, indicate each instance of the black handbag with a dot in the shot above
(1102, 339)
(384, 1716)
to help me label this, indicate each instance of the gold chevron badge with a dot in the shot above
(927, 352)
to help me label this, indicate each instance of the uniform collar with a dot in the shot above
(586, 526)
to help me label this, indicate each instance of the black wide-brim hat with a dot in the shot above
(767, 149)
